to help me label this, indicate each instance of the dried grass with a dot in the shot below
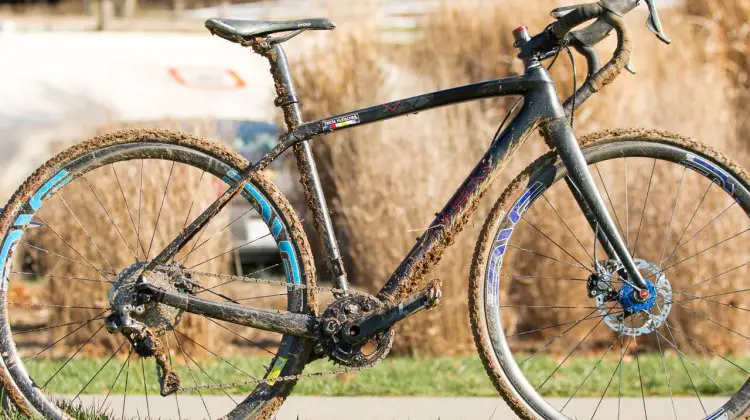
(386, 180)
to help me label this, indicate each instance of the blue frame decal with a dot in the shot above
(500, 245)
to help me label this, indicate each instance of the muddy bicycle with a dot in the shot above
(630, 236)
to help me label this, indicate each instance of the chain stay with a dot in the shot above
(287, 378)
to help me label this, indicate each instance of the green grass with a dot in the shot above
(444, 376)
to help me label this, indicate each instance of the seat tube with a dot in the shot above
(286, 99)
(584, 189)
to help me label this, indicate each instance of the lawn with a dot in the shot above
(421, 376)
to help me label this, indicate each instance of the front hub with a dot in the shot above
(637, 312)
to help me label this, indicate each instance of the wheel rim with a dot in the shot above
(141, 173)
(527, 236)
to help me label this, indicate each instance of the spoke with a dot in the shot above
(215, 355)
(679, 305)
(145, 389)
(682, 235)
(63, 257)
(140, 202)
(176, 399)
(66, 336)
(210, 378)
(551, 240)
(570, 353)
(127, 375)
(706, 249)
(609, 198)
(213, 235)
(89, 263)
(623, 351)
(567, 227)
(547, 306)
(717, 276)
(680, 246)
(589, 374)
(99, 371)
(190, 210)
(161, 207)
(666, 375)
(109, 392)
(37, 305)
(643, 212)
(640, 381)
(548, 257)
(563, 324)
(671, 218)
(243, 337)
(705, 347)
(627, 208)
(691, 362)
(190, 370)
(111, 220)
(54, 326)
(231, 250)
(555, 339)
(86, 232)
(127, 207)
(521, 277)
(23, 273)
(704, 298)
(71, 357)
(684, 367)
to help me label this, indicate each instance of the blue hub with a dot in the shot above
(630, 301)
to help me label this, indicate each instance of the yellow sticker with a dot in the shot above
(276, 370)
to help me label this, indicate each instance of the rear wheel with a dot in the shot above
(556, 321)
(75, 237)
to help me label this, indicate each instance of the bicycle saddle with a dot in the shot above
(244, 30)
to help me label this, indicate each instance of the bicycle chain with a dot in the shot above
(271, 381)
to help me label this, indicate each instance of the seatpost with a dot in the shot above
(286, 99)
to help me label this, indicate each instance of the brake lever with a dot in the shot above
(654, 23)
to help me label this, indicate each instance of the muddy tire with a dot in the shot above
(211, 167)
(514, 302)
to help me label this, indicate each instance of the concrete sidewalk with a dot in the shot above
(398, 408)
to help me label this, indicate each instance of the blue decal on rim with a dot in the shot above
(261, 204)
(525, 201)
(6, 255)
(23, 219)
(719, 414)
(495, 262)
(54, 184)
(712, 171)
(14, 235)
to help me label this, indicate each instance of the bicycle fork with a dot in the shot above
(584, 189)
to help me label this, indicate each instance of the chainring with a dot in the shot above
(338, 317)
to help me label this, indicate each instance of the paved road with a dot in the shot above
(397, 408)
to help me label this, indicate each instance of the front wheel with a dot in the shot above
(555, 320)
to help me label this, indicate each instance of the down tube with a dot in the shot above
(430, 246)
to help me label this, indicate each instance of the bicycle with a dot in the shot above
(150, 298)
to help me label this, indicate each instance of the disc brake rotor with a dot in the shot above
(638, 317)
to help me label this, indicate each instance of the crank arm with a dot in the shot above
(287, 323)
(369, 326)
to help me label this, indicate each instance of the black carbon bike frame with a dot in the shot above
(541, 110)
